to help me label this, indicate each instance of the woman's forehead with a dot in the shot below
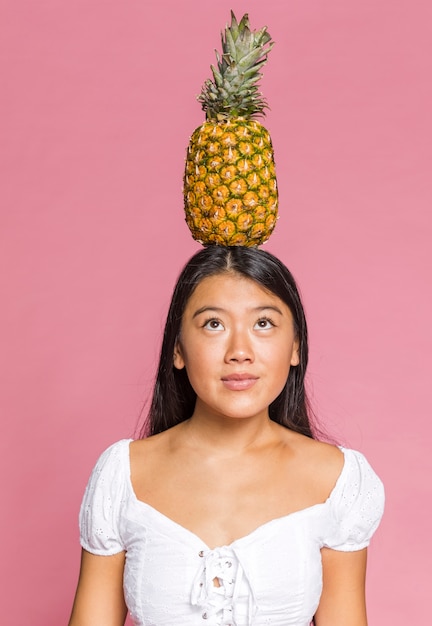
(231, 286)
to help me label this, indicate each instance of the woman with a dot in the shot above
(230, 512)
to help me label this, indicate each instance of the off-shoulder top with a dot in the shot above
(272, 576)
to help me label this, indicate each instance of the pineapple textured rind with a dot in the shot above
(230, 189)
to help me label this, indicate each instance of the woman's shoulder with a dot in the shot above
(319, 452)
(149, 445)
(159, 444)
(358, 479)
(148, 455)
(114, 454)
(353, 492)
(322, 462)
(333, 465)
(110, 467)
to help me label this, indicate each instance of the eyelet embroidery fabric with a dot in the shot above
(273, 576)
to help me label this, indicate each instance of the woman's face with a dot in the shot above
(237, 343)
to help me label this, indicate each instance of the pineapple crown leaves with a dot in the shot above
(233, 92)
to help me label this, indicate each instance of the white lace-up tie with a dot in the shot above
(219, 582)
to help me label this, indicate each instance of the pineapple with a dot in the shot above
(230, 190)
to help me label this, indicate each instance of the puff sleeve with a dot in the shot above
(357, 505)
(99, 518)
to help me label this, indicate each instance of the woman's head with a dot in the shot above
(174, 398)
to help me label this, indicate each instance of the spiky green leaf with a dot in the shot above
(234, 90)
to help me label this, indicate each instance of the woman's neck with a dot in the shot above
(229, 436)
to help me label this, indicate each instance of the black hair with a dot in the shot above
(173, 397)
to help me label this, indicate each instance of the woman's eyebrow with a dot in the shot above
(203, 309)
(267, 307)
(217, 309)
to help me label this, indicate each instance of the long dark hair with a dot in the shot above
(173, 397)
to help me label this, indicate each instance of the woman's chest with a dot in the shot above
(273, 571)
(222, 504)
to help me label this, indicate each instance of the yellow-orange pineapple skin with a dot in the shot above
(230, 189)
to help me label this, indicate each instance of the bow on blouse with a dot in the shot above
(219, 584)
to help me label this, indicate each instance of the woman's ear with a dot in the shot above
(295, 356)
(178, 360)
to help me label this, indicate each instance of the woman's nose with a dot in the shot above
(239, 348)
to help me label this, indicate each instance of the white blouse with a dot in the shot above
(271, 576)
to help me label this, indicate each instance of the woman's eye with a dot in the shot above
(213, 324)
(264, 324)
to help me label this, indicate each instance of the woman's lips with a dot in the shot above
(239, 382)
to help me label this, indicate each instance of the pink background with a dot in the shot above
(98, 103)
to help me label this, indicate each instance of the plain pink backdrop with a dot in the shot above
(98, 103)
